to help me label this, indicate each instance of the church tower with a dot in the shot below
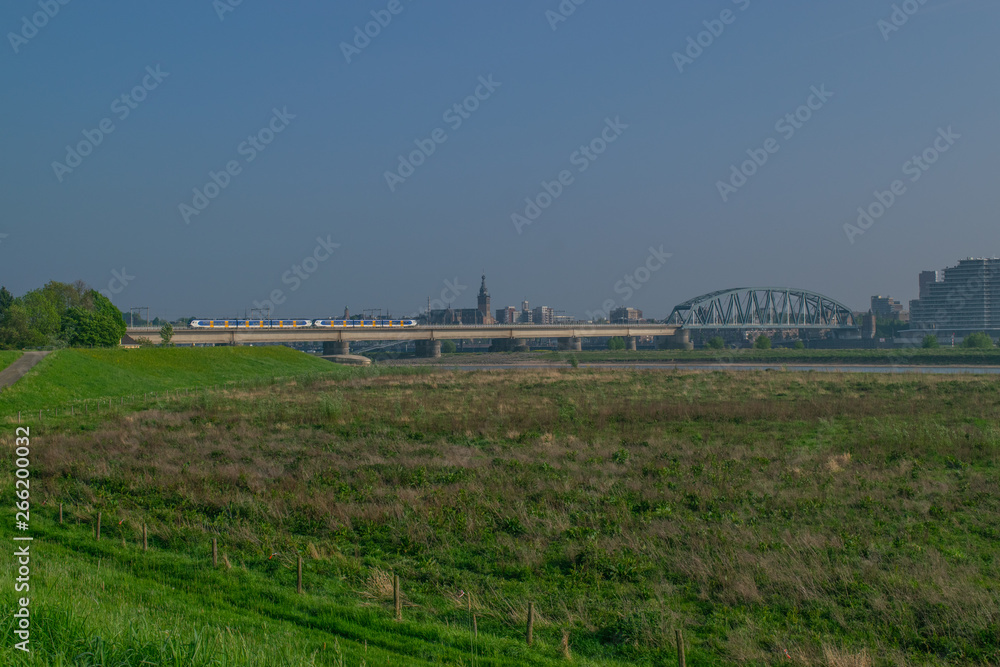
(484, 303)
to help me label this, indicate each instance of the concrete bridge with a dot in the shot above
(427, 338)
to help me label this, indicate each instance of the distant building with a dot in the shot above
(525, 316)
(625, 315)
(543, 315)
(928, 278)
(455, 316)
(868, 325)
(886, 307)
(507, 315)
(964, 300)
(484, 303)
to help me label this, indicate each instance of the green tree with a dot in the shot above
(715, 343)
(448, 347)
(979, 341)
(15, 329)
(103, 326)
(930, 342)
(616, 343)
(799, 345)
(6, 301)
(762, 343)
(166, 333)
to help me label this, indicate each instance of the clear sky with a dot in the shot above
(661, 131)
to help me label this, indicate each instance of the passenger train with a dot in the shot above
(299, 324)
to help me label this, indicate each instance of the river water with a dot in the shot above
(833, 368)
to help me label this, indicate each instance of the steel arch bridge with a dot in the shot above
(762, 308)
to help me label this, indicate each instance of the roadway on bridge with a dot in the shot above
(310, 334)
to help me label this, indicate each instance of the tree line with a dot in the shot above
(59, 315)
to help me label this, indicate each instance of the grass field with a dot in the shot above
(7, 358)
(805, 519)
(68, 376)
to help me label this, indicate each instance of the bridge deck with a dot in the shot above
(190, 336)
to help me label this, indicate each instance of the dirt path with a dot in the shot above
(16, 370)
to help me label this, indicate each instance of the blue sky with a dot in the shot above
(317, 195)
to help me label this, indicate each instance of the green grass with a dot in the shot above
(111, 605)
(845, 519)
(7, 358)
(71, 375)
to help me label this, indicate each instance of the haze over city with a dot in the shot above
(301, 121)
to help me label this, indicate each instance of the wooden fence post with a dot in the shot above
(565, 645)
(60, 512)
(679, 636)
(215, 552)
(98, 526)
(396, 603)
(298, 586)
(144, 543)
(531, 622)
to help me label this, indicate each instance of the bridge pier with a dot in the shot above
(430, 349)
(573, 344)
(331, 347)
(679, 341)
(630, 343)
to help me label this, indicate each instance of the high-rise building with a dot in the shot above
(543, 315)
(507, 315)
(928, 278)
(965, 299)
(886, 307)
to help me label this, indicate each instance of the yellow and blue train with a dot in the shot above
(299, 324)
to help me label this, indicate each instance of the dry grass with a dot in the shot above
(834, 510)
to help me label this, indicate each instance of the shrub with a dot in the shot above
(448, 347)
(978, 340)
(930, 342)
(616, 343)
(799, 345)
(715, 343)
(762, 343)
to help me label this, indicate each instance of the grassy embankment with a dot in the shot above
(7, 357)
(845, 520)
(70, 376)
